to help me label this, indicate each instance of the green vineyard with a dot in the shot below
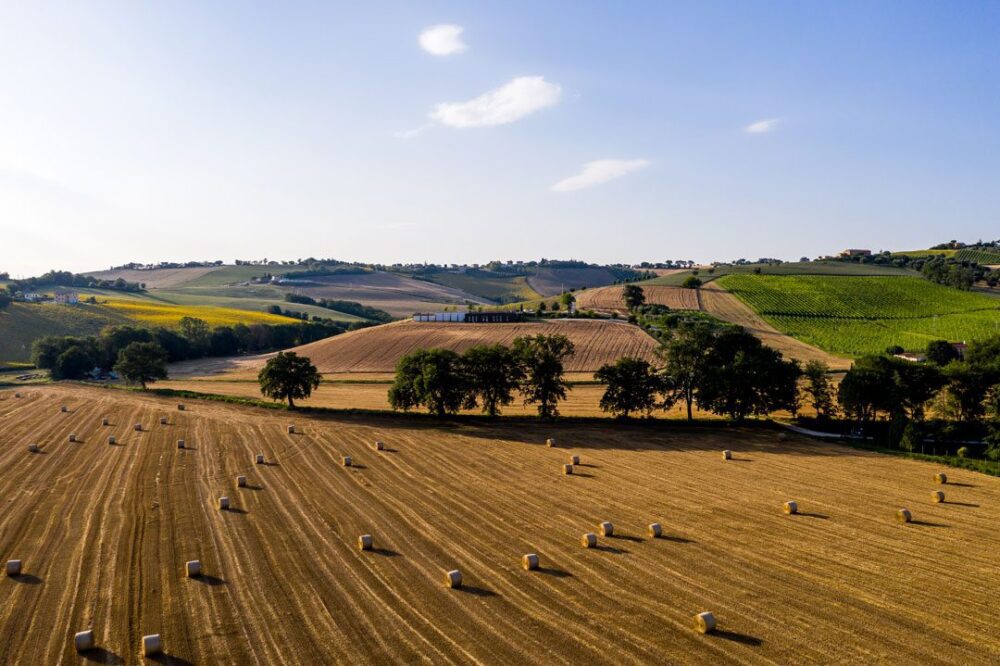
(861, 315)
(984, 257)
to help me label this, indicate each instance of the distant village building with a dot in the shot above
(70, 298)
(854, 252)
(33, 297)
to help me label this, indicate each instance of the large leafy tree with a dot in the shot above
(634, 296)
(743, 377)
(113, 339)
(433, 378)
(493, 374)
(818, 389)
(142, 363)
(542, 357)
(632, 386)
(288, 376)
(74, 363)
(685, 358)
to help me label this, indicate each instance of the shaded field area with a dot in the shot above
(398, 295)
(104, 531)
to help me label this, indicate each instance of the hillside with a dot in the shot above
(861, 315)
(548, 281)
(22, 323)
(103, 533)
(609, 299)
(675, 279)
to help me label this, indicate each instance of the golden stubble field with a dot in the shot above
(104, 532)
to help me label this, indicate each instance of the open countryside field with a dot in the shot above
(609, 299)
(675, 279)
(104, 531)
(398, 295)
(859, 315)
(159, 313)
(377, 349)
(549, 281)
(161, 278)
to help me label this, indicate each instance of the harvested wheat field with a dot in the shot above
(609, 299)
(103, 533)
(377, 349)
(720, 303)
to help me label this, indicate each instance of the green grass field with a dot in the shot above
(499, 289)
(984, 257)
(854, 315)
(788, 268)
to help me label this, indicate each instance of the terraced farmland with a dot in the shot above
(104, 533)
(859, 315)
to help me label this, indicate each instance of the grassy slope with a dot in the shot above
(500, 289)
(22, 323)
(789, 268)
(859, 315)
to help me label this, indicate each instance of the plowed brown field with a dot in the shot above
(104, 531)
(610, 298)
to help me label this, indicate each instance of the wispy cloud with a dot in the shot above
(514, 100)
(762, 126)
(442, 40)
(411, 133)
(598, 172)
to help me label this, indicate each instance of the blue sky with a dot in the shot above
(593, 130)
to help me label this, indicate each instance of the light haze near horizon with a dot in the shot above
(447, 132)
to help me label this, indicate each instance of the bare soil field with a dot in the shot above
(553, 281)
(399, 296)
(103, 533)
(609, 299)
(720, 303)
(161, 278)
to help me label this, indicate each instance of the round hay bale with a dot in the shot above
(138, 427)
(904, 515)
(550, 442)
(606, 528)
(574, 460)
(112, 440)
(72, 437)
(727, 455)
(291, 430)
(64, 409)
(83, 640)
(13, 567)
(180, 443)
(588, 540)
(180, 407)
(163, 420)
(365, 542)
(347, 461)
(941, 478)
(791, 507)
(379, 445)
(704, 623)
(241, 481)
(937, 497)
(453, 579)
(33, 448)
(151, 645)
(530, 562)
(17, 395)
(105, 421)
(655, 530)
(224, 503)
(567, 469)
(259, 459)
(193, 568)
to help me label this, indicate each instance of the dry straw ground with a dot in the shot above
(104, 532)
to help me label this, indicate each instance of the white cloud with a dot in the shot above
(442, 40)
(411, 133)
(598, 172)
(762, 126)
(510, 102)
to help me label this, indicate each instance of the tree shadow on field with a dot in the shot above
(477, 591)
(100, 655)
(26, 579)
(742, 639)
(162, 658)
(212, 581)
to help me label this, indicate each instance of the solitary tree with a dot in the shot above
(632, 386)
(691, 282)
(493, 374)
(634, 296)
(542, 357)
(142, 363)
(288, 376)
(433, 378)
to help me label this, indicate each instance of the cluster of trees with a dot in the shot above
(962, 394)
(941, 269)
(347, 307)
(72, 357)
(67, 279)
(135, 266)
(444, 381)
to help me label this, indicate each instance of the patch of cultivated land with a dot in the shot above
(864, 315)
(377, 349)
(104, 531)
(398, 295)
(22, 323)
(553, 281)
(160, 278)
(610, 298)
